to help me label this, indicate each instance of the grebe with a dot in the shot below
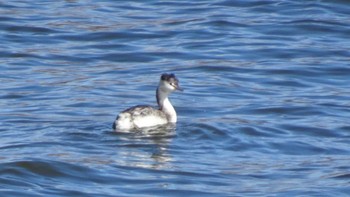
(142, 116)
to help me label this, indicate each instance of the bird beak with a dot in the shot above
(179, 88)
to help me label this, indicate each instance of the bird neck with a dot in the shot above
(165, 105)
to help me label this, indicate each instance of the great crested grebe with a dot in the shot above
(142, 116)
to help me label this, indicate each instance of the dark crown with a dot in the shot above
(167, 77)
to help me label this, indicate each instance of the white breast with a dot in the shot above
(149, 121)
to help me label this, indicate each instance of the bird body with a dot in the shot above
(142, 116)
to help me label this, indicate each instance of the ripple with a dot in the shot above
(265, 105)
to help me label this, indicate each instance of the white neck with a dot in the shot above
(165, 105)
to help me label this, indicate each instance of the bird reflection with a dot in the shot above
(148, 148)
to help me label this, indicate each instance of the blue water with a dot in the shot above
(265, 111)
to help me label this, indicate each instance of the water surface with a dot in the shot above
(265, 111)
